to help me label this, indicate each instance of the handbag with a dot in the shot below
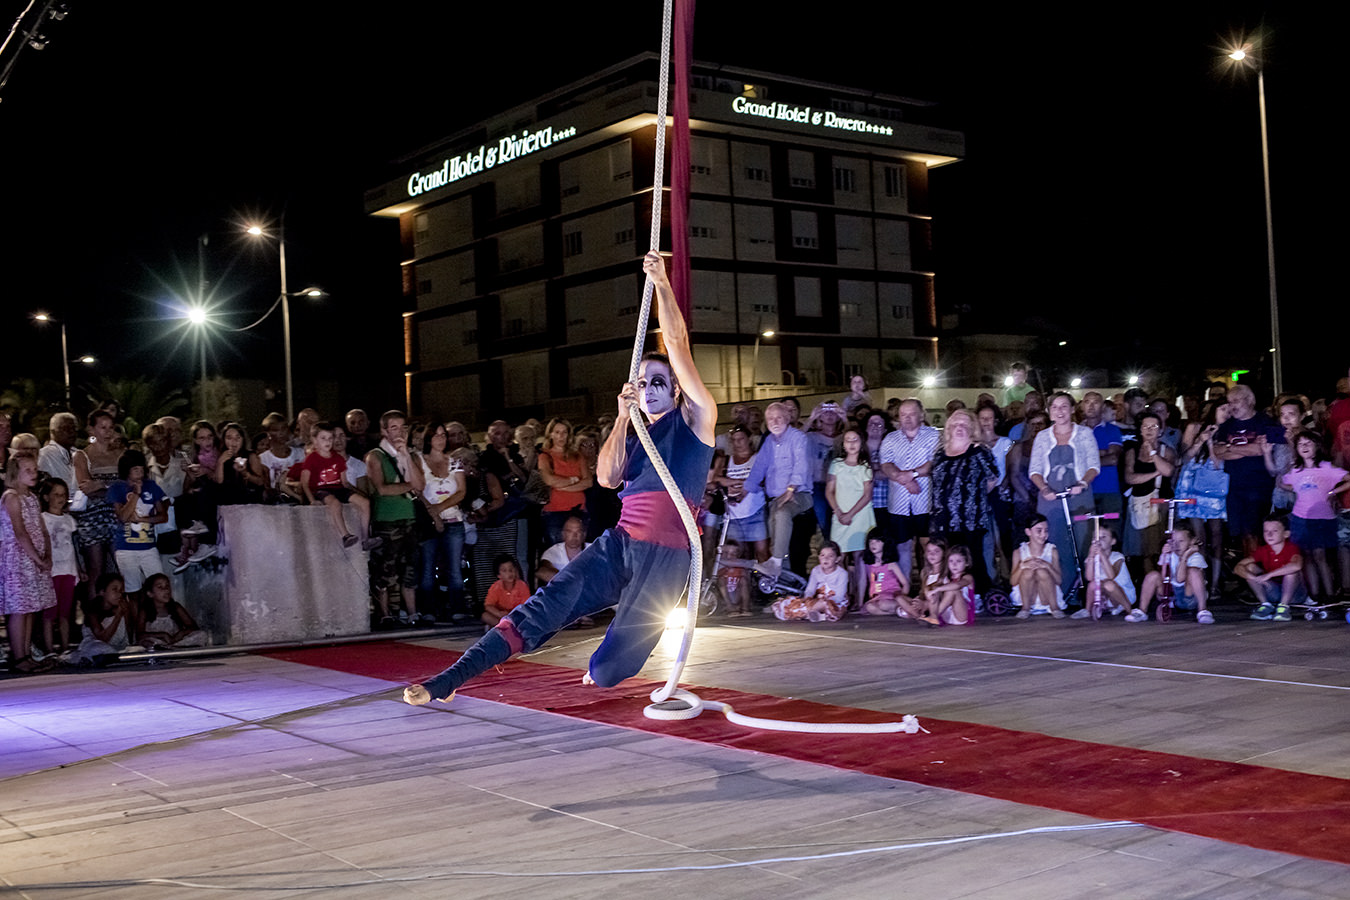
(1143, 512)
(1207, 485)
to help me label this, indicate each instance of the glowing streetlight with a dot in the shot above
(1240, 54)
(285, 300)
(929, 381)
(1133, 380)
(1076, 382)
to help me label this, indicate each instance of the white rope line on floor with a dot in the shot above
(573, 873)
(1063, 659)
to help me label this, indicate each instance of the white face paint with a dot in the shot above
(656, 388)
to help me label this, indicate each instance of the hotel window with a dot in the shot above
(807, 294)
(572, 243)
(624, 236)
(754, 173)
(895, 180)
(844, 181)
(801, 169)
(424, 286)
(421, 227)
(899, 312)
(471, 337)
(805, 230)
(849, 310)
(621, 161)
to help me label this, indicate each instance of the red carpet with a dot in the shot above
(1306, 815)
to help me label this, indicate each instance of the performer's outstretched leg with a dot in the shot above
(658, 576)
(591, 582)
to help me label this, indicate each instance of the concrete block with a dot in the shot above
(289, 577)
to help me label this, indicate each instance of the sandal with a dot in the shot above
(24, 665)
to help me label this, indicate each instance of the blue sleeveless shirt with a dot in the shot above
(648, 513)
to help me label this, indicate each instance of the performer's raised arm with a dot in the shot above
(700, 409)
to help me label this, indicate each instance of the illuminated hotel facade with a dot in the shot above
(808, 217)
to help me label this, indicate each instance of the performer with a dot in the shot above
(642, 564)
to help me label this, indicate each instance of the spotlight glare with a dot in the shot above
(197, 315)
(1076, 382)
(929, 380)
(1007, 381)
(1133, 379)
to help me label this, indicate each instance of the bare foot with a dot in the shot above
(1024, 614)
(417, 695)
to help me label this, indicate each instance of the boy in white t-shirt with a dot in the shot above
(278, 459)
(1187, 566)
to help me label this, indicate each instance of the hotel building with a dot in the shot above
(808, 217)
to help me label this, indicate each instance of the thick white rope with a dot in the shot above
(670, 702)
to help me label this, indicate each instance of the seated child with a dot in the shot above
(162, 621)
(323, 478)
(826, 596)
(951, 601)
(1108, 573)
(734, 583)
(886, 586)
(506, 593)
(1186, 563)
(931, 575)
(109, 623)
(1035, 572)
(1273, 572)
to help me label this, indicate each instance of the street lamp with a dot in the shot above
(285, 300)
(754, 360)
(1240, 54)
(44, 319)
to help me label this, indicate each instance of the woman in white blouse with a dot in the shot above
(1064, 458)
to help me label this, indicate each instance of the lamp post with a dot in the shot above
(1242, 56)
(88, 360)
(285, 300)
(754, 362)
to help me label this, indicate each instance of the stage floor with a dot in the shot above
(286, 780)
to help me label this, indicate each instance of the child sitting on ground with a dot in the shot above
(734, 583)
(506, 593)
(826, 596)
(1274, 572)
(109, 623)
(885, 586)
(1186, 563)
(1109, 574)
(931, 575)
(1035, 572)
(164, 622)
(323, 478)
(952, 600)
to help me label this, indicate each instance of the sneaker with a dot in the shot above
(1281, 614)
(1205, 617)
(349, 541)
(1082, 614)
(1265, 612)
(1117, 610)
(403, 617)
(1136, 615)
(181, 567)
(196, 528)
(205, 551)
(425, 620)
(372, 543)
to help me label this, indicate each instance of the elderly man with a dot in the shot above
(359, 441)
(56, 458)
(907, 460)
(1237, 444)
(782, 473)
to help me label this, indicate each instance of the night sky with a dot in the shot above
(1112, 187)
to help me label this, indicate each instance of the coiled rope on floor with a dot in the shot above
(670, 701)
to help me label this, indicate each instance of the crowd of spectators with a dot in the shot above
(1001, 497)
